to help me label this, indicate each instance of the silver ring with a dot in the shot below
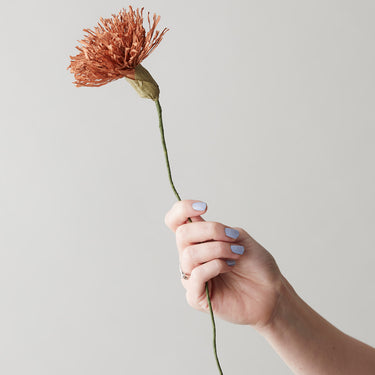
(184, 275)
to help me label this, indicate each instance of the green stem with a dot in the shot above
(213, 329)
(165, 149)
(158, 107)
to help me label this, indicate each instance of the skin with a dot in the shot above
(254, 292)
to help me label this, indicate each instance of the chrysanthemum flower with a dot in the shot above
(115, 49)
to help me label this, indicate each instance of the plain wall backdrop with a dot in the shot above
(269, 117)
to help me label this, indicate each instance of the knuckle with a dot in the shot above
(189, 254)
(203, 304)
(180, 232)
(187, 258)
(214, 229)
(195, 302)
(220, 249)
(176, 205)
(179, 208)
(217, 265)
(167, 220)
(197, 274)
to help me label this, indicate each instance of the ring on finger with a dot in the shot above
(184, 275)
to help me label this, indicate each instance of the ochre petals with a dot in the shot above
(114, 48)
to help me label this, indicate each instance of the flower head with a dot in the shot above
(115, 49)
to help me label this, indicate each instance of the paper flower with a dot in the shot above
(115, 49)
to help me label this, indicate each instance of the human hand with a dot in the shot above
(245, 292)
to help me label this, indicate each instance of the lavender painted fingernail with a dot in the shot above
(237, 249)
(232, 233)
(231, 262)
(199, 206)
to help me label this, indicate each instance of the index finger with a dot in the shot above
(183, 210)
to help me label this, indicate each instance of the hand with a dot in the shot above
(246, 292)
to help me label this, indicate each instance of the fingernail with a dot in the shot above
(232, 233)
(237, 249)
(199, 206)
(231, 262)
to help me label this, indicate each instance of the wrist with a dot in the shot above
(304, 340)
(287, 307)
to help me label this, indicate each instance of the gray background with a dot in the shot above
(269, 116)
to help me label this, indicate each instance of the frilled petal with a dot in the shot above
(115, 48)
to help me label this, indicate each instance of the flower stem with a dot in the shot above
(213, 329)
(158, 107)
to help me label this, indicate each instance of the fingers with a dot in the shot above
(196, 295)
(182, 210)
(195, 255)
(207, 249)
(197, 232)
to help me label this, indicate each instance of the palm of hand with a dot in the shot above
(249, 293)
